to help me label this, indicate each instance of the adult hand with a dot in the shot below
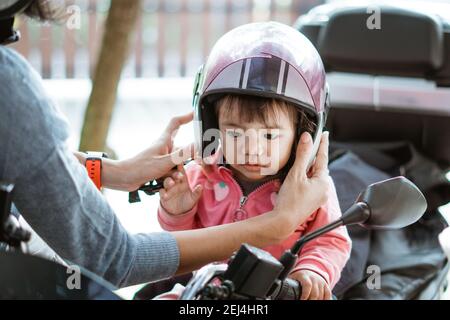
(155, 162)
(159, 160)
(303, 192)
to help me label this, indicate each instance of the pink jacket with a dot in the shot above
(223, 202)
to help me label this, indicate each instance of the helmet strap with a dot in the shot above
(196, 94)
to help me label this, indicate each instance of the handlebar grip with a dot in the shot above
(290, 290)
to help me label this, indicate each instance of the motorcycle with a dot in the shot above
(24, 276)
(254, 274)
(251, 274)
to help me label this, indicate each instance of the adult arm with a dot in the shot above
(53, 192)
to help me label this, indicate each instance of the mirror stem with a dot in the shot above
(310, 236)
(290, 256)
(357, 213)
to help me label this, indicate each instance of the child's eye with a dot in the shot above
(234, 134)
(271, 136)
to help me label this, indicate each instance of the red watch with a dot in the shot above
(94, 167)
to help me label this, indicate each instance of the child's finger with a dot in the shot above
(178, 176)
(163, 195)
(306, 289)
(168, 183)
(177, 189)
(197, 192)
(321, 292)
(327, 293)
(172, 191)
(315, 292)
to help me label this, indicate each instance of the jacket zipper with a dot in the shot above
(243, 199)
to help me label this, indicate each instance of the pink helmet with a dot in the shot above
(265, 59)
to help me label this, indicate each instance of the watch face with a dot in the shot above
(96, 154)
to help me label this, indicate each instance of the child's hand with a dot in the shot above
(177, 196)
(314, 287)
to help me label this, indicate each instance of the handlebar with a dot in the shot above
(289, 289)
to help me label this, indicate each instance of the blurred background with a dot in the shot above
(166, 45)
(120, 69)
(172, 37)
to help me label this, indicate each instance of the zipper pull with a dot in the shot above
(240, 213)
(243, 201)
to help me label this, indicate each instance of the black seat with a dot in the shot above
(395, 92)
(412, 44)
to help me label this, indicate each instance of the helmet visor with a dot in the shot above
(264, 76)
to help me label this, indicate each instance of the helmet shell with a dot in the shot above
(267, 59)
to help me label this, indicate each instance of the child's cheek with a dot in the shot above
(231, 150)
(275, 152)
(285, 150)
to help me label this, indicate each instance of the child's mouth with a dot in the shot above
(253, 167)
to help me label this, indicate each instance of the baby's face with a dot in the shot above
(255, 150)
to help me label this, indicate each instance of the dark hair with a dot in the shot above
(264, 110)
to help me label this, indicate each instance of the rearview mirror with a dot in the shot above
(389, 204)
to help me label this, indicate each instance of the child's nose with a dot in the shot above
(255, 146)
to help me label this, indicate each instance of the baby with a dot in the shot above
(259, 117)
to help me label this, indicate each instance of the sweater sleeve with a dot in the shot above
(56, 197)
(171, 222)
(327, 254)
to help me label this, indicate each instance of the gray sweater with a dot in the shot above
(53, 193)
